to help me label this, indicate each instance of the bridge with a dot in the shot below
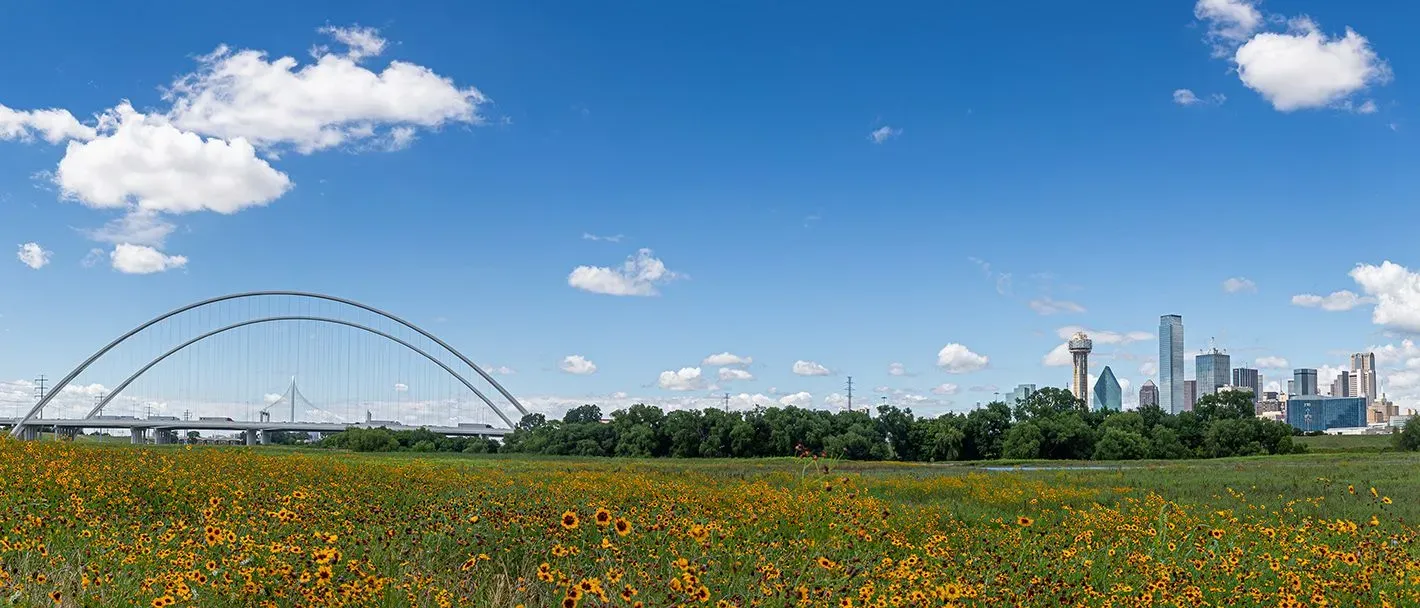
(221, 357)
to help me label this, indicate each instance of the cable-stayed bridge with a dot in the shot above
(212, 366)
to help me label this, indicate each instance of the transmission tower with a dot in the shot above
(39, 391)
(727, 403)
(850, 393)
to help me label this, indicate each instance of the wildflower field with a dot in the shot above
(91, 525)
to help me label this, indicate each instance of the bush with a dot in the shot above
(1407, 439)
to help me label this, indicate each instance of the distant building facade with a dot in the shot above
(1190, 395)
(1148, 394)
(1214, 369)
(1363, 365)
(1171, 390)
(1341, 386)
(1304, 382)
(1249, 378)
(1022, 392)
(1317, 413)
(1108, 395)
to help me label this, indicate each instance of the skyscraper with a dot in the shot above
(1305, 381)
(1190, 395)
(1148, 394)
(1248, 378)
(1341, 386)
(1022, 392)
(1080, 346)
(1108, 395)
(1213, 370)
(1171, 363)
(1364, 365)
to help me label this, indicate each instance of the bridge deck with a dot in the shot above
(241, 425)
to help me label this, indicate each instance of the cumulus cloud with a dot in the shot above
(1391, 353)
(1304, 68)
(34, 256)
(810, 368)
(144, 162)
(401, 387)
(1229, 21)
(52, 125)
(1337, 301)
(577, 364)
(946, 388)
(957, 359)
(1101, 336)
(136, 228)
(729, 374)
(686, 379)
(1239, 285)
(727, 359)
(499, 370)
(639, 276)
(883, 133)
(1149, 368)
(1396, 291)
(334, 101)
(140, 259)
(799, 399)
(897, 369)
(1046, 306)
(1272, 363)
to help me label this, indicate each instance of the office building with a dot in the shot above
(1268, 403)
(1213, 369)
(1291, 387)
(1305, 382)
(1148, 394)
(1248, 378)
(1341, 386)
(1171, 395)
(1190, 395)
(1022, 392)
(1108, 395)
(1080, 346)
(1317, 413)
(1364, 366)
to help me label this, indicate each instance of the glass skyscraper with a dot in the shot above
(1305, 382)
(1022, 392)
(1316, 413)
(1171, 363)
(1213, 370)
(1108, 395)
(1248, 378)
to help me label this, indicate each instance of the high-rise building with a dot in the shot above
(1364, 366)
(1291, 387)
(1108, 395)
(1248, 378)
(1190, 395)
(1022, 392)
(1213, 370)
(1080, 345)
(1341, 386)
(1305, 382)
(1171, 364)
(1148, 394)
(1317, 413)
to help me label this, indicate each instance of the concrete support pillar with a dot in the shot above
(265, 437)
(250, 437)
(138, 435)
(163, 437)
(30, 433)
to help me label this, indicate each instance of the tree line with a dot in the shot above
(1049, 424)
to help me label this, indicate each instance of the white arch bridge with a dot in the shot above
(224, 358)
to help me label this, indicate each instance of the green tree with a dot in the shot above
(1022, 442)
(1120, 444)
(984, 430)
(1408, 437)
(583, 414)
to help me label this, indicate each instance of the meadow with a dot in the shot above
(105, 525)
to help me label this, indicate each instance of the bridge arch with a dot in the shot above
(58, 387)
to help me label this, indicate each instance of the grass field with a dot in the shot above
(115, 525)
(1346, 443)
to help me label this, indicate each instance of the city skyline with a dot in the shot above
(598, 223)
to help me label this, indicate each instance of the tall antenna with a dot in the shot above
(850, 393)
(39, 391)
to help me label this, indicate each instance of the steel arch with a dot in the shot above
(59, 386)
(119, 389)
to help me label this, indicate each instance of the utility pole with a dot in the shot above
(850, 393)
(99, 398)
(39, 392)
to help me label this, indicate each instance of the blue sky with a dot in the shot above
(815, 182)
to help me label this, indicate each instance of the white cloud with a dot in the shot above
(499, 370)
(34, 256)
(1046, 306)
(1272, 363)
(93, 258)
(1304, 68)
(1184, 97)
(140, 259)
(639, 276)
(52, 125)
(946, 388)
(728, 374)
(610, 239)
(1337, 301)
(958, 359)
(331, 102)
(884, 133)
(799, 399)
(1239, 285)
(726, 358)
(136, 228)
(1390, 353)
(687, 379)
(142, 161)
(1273, 386)
(1228, 20)
(1149, 368)
(271, 398)
(1058, 356)
(835, 400)
(897, 369)
(1397, 293)
(810, 368)
(401, 387)
(1100, 336)
(577, 364)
